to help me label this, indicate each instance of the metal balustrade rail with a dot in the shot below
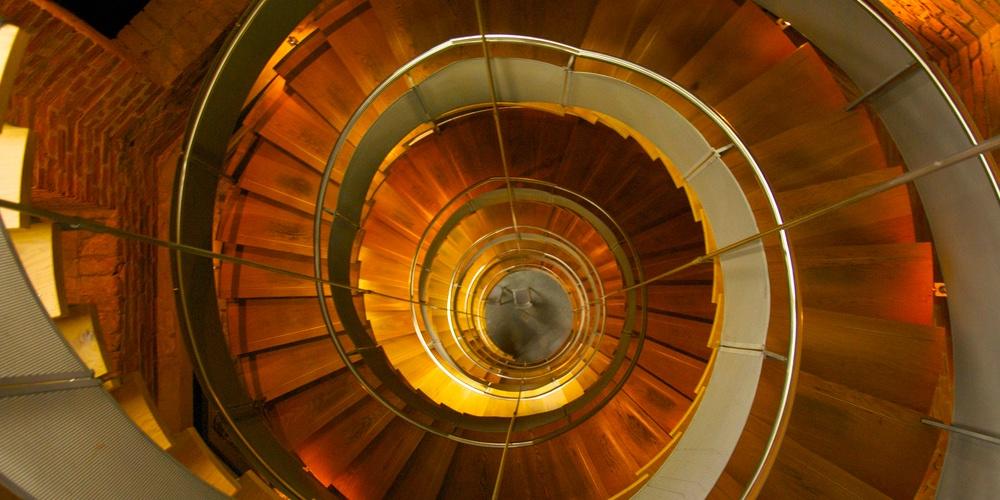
(203, 153)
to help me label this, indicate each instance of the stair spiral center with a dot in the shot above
(529, 315)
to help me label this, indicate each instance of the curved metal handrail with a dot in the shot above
(617, 247)
(918, 54)
(774, 440)
(576, 53)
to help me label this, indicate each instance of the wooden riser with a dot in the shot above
(676, 32)
(262, 223)
(864, 280)
(299, 414)
(259, 324)
(270, 374)
(717, 70)
(245, 282)
(330, 450)
(424, 473)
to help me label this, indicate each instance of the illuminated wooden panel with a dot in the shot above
(137, 403)
(80, 328)
(252, 487)
(16, 159)
(190, 449)
(40, 253)
(13, 41)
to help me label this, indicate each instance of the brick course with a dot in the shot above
(102, 121)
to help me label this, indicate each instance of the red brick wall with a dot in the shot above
(102, 122)
(963, 37)
(947, 26)
(169, 35)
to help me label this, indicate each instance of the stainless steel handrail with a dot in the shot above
(623, 241)
(930, 69)
(575, 53)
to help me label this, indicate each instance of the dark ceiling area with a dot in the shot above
(106, 16)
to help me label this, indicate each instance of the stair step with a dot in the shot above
(892, 282)
(321, 78)
(797, 472)
(689, 300)
(677, 32)
(599, 438)
(854, 351)
(17, 148)
(683, 334)
(82, 330)
(133, 397)
(424, 473)
(191, 451)
(372, 473)
(884, 218)
(300, 131)
(40, 252)
(796, 159)
(258, 324)
(665, 405)
(299, 414)
(880, 443)
(409, 39)
(262, 223)
(717, 70)
(361, 44)
(798, 90)
(641, 438)
(679, 371)
(245, 282)
(330, 450)
(534, 139)
(614, 30)
(473, 471)
(272, 373)
(274, 174)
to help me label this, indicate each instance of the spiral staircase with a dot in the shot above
(400, 185)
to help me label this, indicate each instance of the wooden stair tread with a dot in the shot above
(717, 70)
(40, 251)
(17, 148)
(677, 32)
(797, 90)
(664, 404)
(245, 282)
(322, 79)
(263, 223)
(272, 173)
(372, 473)
(302, 132)
(134, 398)
(472, 473)
(330, 450)
(880, 443)
(191, 450)
(614, 30)
(258, 324)
(361, 45)
(689, 300)
(795, 159)
(81, 329)
(424, 473)
(892, 282)
(269, 374)
(893, 361)
(680, 371)
(683, 334)
(889, 221)
(299, 414)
